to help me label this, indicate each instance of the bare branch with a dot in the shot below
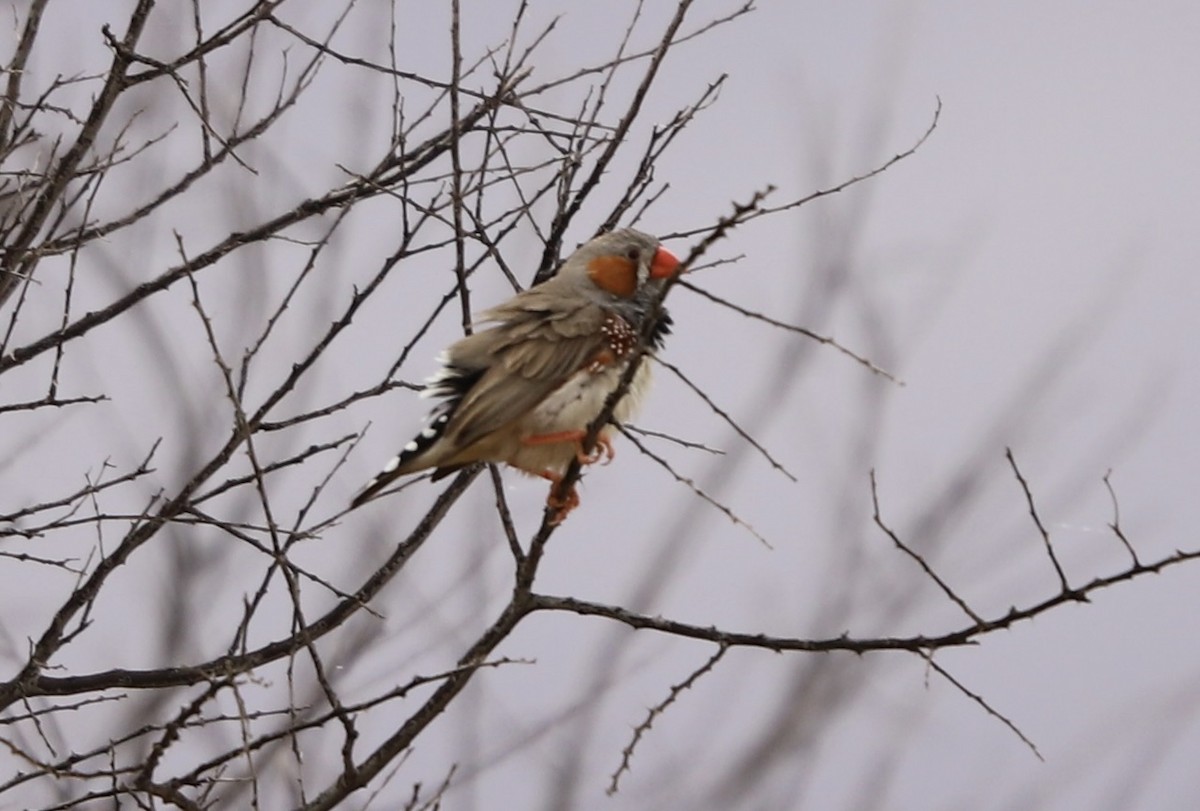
(683, 443)
(1115, 524)
(925, 567)
(730, 421)
(657, 710)
(691, 485)
(807, 333)
(1037, 521)
(981, 701)
(14, 258)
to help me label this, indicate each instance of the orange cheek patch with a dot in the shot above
(616, 274)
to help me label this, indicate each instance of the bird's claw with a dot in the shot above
(601, 452)
(559, 507)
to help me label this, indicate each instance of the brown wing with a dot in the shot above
(531, 352)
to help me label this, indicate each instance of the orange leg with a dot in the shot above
(560, 506)
(603, 452)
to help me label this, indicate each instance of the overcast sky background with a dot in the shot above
(1030, 275)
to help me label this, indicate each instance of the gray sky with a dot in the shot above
(1029, 274)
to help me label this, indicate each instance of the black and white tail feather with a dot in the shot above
(451, 383)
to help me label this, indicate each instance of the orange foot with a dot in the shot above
(602, 452)
(560, 506)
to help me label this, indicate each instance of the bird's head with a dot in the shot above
(622, 270)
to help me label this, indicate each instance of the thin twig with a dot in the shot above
(981, 701)
(1115, 524)
(657, 710)
(506, 520)
(920, 560)
(691, 485)
(730, 421)
(807, 333)
(764, 211)
(683, 443)
(1037, 520)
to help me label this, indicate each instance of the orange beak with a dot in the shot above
(665, 264)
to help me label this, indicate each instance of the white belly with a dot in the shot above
(572, 407)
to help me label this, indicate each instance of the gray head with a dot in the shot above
(622, 270)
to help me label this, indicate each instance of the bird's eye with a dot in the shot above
(633, 254)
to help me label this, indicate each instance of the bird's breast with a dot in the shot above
(579, 400)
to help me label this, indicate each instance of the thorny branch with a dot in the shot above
(982, 702)
(807, 333)
(475, 167)
(691, 485)
(1037, 520)
(656, 711)
(877, 517)
(964, 636)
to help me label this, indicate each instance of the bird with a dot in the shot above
(524, 390)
